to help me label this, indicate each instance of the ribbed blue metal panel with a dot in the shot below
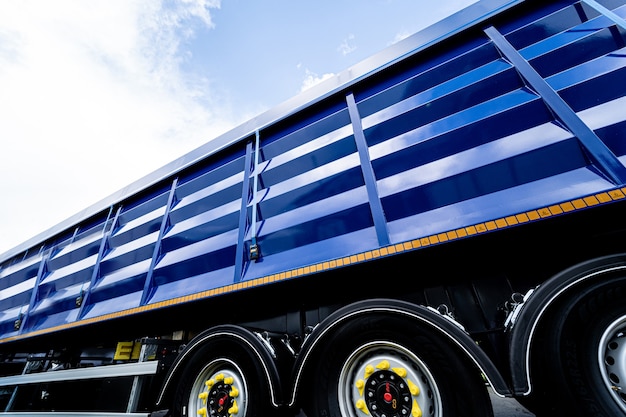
(199, 246)
(119, 281)
(16, 289)
(62, 280)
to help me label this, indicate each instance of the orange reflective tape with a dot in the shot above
(500, 223)
(555, 210)
(604, 197)
(591, 200)
(511, 220)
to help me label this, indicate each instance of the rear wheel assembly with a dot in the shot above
(579, 359)
(385, 366)
(219, 390)
(384, 379)
(612, 360)
(222, 380)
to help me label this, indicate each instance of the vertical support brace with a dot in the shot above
(243, 213)
(254, 247)
(376, 207)
(22, 322)
(165, 222)
(106, 234)
(599, 153)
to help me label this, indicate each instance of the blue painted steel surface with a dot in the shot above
(514, 114)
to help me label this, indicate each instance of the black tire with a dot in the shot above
(385, 366)
(579, 361)
(228, 378)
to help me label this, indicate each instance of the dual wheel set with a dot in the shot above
(382, 366)
(378, 366)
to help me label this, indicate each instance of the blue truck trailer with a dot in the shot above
(444, 218)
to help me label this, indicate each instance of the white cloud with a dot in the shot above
(311, 79)
(346, 47)
(93, 98)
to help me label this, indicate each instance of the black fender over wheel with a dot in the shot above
(382, 365)
(579, 358)
(222, 379)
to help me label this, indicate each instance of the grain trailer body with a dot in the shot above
(443, 217)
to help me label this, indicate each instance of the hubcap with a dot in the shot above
(386, 394)
(383, 379)
(219, 391)
(612, 360)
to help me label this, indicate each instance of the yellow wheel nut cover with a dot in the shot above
(416, 411)
(360, 404)
(360, 385)
(234, 409)
(414, 389)
(400, 371)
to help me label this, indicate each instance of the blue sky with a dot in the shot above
(96, 94)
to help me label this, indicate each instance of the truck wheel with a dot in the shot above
(582, 369)
(612, 360)
(386, 367)
(221, 381)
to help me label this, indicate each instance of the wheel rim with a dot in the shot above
(219, 390)
(383, 379)
(612, 360)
